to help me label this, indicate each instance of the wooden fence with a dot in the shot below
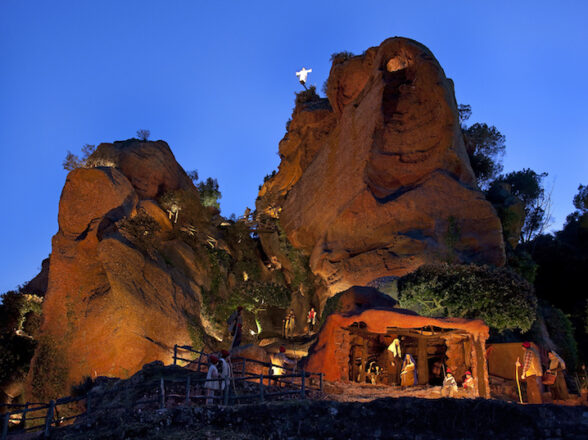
(240, 371)
(291, 383)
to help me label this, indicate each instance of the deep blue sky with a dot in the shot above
(216, 80)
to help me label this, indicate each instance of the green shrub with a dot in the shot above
(141, 230)
(16, 353)
(306, 96)
(341, 57)
(500, 297)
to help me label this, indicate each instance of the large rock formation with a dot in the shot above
(125, 283)
(376, 181)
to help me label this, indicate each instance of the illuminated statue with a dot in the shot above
(212, 383)
(408, 374)
(468, 384)
(302, 75)
(393, 361)
(311, 319)
(289, 324)
(373, 372)
(173, 211)
(449, 385)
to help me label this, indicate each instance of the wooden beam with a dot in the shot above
(422, 362)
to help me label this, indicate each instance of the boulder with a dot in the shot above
(150, 166)
(378, 182)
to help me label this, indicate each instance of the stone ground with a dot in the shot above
(386, 418)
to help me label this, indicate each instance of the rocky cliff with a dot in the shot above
(375, 180)
(138, 265)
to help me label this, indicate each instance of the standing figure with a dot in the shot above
(395, 353)
(302, 75)
(289, 324)
(235, 325)
(224, 367)
(408, 374)
(469, 385)
(449, 385)
(212, 383)
(311, 319)
(531, 372)
(557, 366)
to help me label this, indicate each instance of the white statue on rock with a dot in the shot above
(302, 75)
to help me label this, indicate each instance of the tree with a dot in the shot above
(143, 134)
(72, 161)
(581, 199)
(527, 185)
(464, 111)
(193, 175)
(499, 296)
(485, 146)
(209, 192)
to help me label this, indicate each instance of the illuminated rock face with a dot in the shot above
(378, 182)
(109, 308)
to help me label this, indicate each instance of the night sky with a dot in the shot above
(216, 80)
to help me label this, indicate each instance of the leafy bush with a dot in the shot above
(141, 230)
(72, 161)
(16, 353)
(143, 134)
(14, 309)
(209, 192)
(500, 297)
(341, 57)
(306, 96)
(187, 201)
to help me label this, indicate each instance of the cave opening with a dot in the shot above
(376, 358)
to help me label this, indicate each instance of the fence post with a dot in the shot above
(187, 390)
(321, 381)
(175, 354)
(261, 387)
(162, 393)
(5, 425)
(49, 418)
(199, 361)
(303, 387)
(23, 420)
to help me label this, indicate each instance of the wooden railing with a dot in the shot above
(49, 417)
(239, 367)
(291, 383)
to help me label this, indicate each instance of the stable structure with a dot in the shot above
(353, 345)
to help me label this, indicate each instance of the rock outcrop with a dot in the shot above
(126, 283)
(375, 181)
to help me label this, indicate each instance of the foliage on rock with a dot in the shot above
(209, 193)
(73, 161)
(141, 230)
(500, 297)
(306, 96)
